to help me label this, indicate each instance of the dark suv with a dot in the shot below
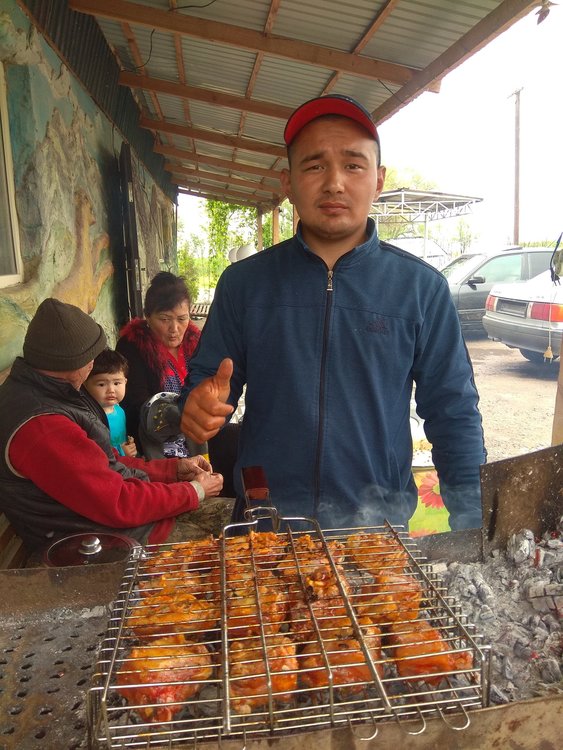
(472, 275)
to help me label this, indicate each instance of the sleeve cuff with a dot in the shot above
(199, 489)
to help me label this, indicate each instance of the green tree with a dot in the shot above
(231, 226)
(285, 222)
(191, 261)
(464, 236)
(223, 235)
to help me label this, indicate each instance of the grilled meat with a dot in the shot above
(374, 551)
(420, 651)
(166, 612)
(348, 665)
(392, 598)
(249, 677)
(158, 678)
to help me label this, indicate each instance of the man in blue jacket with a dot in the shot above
(329, 331)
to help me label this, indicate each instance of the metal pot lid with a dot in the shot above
(89, 548)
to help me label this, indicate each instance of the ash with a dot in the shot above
(516, 601)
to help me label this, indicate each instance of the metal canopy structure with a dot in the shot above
(405, 204)
(215, 81)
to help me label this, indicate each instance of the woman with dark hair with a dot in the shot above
(158, 349)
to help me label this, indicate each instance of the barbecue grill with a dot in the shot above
(332, 680)
(52, 623)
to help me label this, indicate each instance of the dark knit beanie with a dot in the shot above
(62, 337)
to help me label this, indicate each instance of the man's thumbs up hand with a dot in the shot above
(206, 408)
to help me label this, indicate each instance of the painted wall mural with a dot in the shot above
(65, 155)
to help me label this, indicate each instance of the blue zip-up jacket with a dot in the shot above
(329, 359)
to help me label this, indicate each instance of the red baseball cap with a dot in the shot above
(333, 104)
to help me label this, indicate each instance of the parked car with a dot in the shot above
(427, 249)
(471, 277)
(527, 316)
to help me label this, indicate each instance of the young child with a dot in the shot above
(106, 384)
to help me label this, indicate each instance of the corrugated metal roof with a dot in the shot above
(238, 67)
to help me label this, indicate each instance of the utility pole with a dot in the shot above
(516, 233)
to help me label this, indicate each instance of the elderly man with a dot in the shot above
(58, 471)
(329, 331)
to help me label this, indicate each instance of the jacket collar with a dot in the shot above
(54, 388)
(354, 255)
(51, 386)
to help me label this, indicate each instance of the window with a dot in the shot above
(539, 262)
(10, 263)
(502, 268)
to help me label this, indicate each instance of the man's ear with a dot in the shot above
(381, 171)
(285, 180)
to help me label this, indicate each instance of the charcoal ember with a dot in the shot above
(485, 593)
(541, 633)
(523, 650)
(546, 558)
(535, 588)
(501, 650)
(521, 546)
(471, 590)
(551, 623)
(498, 696)
(522, 630)
(554, 589)
(550, 670)
(486, 613)
(507, 669)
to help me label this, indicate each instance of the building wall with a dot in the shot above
(66, 159)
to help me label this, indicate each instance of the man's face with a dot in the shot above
(333, 181)
(107, 388)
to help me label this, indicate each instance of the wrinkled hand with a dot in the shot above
(129, 448)
(189, 468)
(206, 408)
(212, 483)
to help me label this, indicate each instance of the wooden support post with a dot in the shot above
(557, 433)
(259, 232)
(275, 225)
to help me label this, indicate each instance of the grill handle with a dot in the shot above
(257, 495)
(255, 485)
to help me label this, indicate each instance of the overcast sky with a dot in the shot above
(462, 139)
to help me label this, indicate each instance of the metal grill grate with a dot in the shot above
(46, 663)
(271, 633)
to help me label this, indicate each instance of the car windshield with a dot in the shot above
(459, 267)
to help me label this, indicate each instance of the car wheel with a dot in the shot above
(535, 357)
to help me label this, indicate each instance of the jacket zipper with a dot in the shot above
(317, 474)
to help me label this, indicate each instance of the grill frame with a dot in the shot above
(366, 714)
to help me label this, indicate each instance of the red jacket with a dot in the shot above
(57, 456)
(147, 359)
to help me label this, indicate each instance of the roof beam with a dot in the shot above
(500, 19)
(208, 96)
(183, 154)
(211, 136)
(217, 194)
(177, 169)
(237, 36)
(380, 17)
(212, 197)
(180, 66)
